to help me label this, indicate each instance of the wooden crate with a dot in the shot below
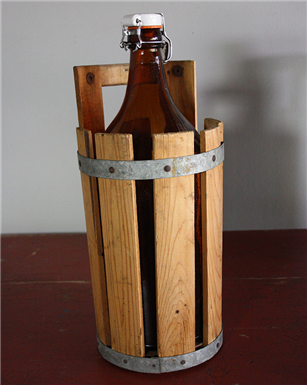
(114, 250)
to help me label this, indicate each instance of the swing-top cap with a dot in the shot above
(144, 20)
(133, 24)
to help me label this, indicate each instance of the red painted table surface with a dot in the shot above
(48, 326)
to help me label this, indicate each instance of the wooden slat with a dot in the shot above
(94, 236)
(121, 246)
(213, 123)
(175, 249)
(181, 78)
(89, 98)
(113, 74)
(212, 204)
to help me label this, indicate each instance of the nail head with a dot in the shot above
(177, 70)
(90, 78)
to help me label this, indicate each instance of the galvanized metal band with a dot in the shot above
(151, 169)
(160, 364)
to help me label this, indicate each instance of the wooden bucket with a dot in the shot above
(112, 227)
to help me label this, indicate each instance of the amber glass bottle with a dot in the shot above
(147, 109)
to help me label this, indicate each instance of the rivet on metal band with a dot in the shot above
(161, 364)
(151, 169)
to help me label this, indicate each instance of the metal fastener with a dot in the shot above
(111, 170)
(90, 78)
(167, 168)
(213, 158)
(177, 70)
(183, 362)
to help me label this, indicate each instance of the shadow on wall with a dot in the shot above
(264, 112)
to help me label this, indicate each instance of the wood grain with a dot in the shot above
(212, 205)
(214, 123)
(94, 237)
(113, 74)
(181, 78)
(89, 98)
(175, 250)
(121, 246)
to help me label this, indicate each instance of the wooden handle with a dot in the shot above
(181, 78)
(89, 80)
(89, 98)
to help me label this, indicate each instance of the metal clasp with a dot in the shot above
(167, 49)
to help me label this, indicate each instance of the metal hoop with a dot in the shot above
(161, 364)
(151, 169)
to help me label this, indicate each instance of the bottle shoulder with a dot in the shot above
(148, 107)
(140, 115)
(148, 102)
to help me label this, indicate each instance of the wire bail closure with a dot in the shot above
(167, 48)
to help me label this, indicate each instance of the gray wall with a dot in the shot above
(251, 74)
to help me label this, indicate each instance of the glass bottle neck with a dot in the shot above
(146, 63)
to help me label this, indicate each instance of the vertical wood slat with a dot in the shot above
(175, 250)
(121, 246)
(89, 98)
(94, 237)
(181, 78)
(212, 211)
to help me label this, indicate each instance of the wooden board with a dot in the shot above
(113, 74)
(214, 123)
(211, 203)
(94, 236)
(175, 250)
(89, 98)
(121, 246)
(181, 78)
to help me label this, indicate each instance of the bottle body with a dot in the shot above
(149, 109)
